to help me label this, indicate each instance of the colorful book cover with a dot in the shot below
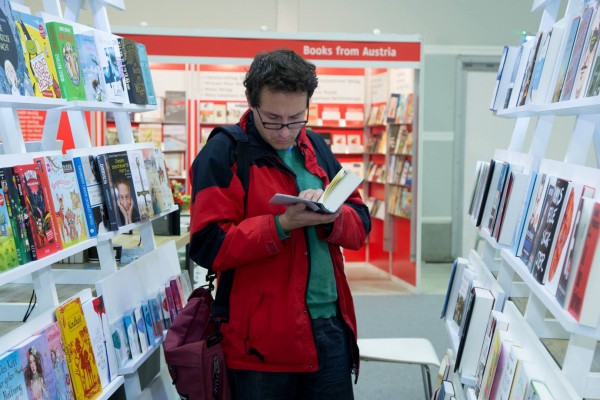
(90, 68)
(132, 71)
(8, 250)
(78, 350)
(567, 89)
(132, 334)
(95, 331)
(120, 342)
(63, 390)
(18, 217)
(66, 198)
(167, 193)
(37, 367)
(38, 58)
(141, 186)
(36, 192)
(66, 60)
(566, 57)
(157, 318)
(140, 325)
(145, 65)
(14, 77)
(164, 308)
(109, 60)
(119, 174)
(92, 197)
(149, 325)
(556, 198)
(587, 58)
(177, 295)
(172, 308)
(12, 380)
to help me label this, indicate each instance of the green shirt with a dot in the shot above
(321, 296)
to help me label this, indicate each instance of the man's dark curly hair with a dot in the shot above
(280, 70)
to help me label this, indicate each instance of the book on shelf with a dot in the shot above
(497, 321)
(460, 304)
(335, 194)
(516, 194)
(12, 379)
(504, 75)
(516, 356)
(455, 273)
(565, 57)
(549, 64)
(526, 84)
(9, 256)
(235, 110)
(177, 294)
(497, 357)
(18, 216)
(91, 73)
(149, 326)
(36, 367)
(133, 77)
(171, 307)
(38, 59)
(164, 308)
(78, 349)
(150, 133)
(483, 194)
(392, 107)
(66, 60)
(140, 325)
(523, 214)
(469, 349)
(99, 342)
(538, 67)
(175, 108)
(519, 74)
(156, 314)
(538, 390)
(354, 143)
(496, 190)
(141, 186)
(587, 57)
(532, 221)
(578, 47)
(409, 109)
(35, 193)
(566, 226)
(120, 342)
(550, 219)
(65, 198)
(111, 64)
(584, 302)
(145, 66)
(14, 76)
(480, 176)
(339, 143)
(577, 239)
(92, 197)
(132, 333)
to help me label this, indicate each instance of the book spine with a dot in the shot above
(113, 222)
(85, 197)
(27, 220)
(585, 265)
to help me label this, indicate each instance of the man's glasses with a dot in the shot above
(275, 126)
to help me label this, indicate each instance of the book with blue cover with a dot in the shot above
(90, 68)
(14, 77)
(145, 65)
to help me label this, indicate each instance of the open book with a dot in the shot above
(339, 189)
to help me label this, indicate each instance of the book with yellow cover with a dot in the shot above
(78, 350)
(38, 58)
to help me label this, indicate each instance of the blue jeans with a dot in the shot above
(333, 380)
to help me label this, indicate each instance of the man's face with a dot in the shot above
(282, 108)
(124, 196)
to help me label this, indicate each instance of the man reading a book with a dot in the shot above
(291, 332)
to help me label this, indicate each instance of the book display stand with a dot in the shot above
(16, 151)
(544, 317)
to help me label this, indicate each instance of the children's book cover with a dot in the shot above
(38, 203)
(109, 60)
(132, 72)
(91, 194)
(8, 250)
(17, 216)
(167, 193)
(12, 380)
(66, 198)
(141, 186)
(99, 345)
(38, 57)
(14, 77)
(156, 313)
(90, 68)
(122, 188)
(63, 390)
(145, 65)
(66, 60)
(37, 367)
(120, 342)
(78, 350)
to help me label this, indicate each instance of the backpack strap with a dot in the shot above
(220, 307)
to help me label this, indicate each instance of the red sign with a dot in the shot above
(221, 47)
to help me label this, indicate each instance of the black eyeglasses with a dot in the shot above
(275, 126)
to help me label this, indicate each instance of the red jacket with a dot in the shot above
(269, 326)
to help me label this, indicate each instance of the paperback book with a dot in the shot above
(66, 60)
(141, 186)
(110, 63)
(36, 367)
(92, 197)
(132, 72)
(62, 377)
(90, 68)
(14, 77)
(8, 250)
(145, 66)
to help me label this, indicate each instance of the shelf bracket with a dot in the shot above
(578, 361)
(540, 139)
(581, 138)
(517, 141)
(12, 138)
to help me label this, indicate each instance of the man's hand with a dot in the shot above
(298, 216)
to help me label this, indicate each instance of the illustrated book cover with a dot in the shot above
(14, 77)
(17, 216)
(66, 60)
(132, 71)
(78, 349)
(9, 257)
(36, 366)
(110, 63)
(62, 377)
(66, 202)
(141, 186)
(38, 57)
(90, 67)
(35, 190)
